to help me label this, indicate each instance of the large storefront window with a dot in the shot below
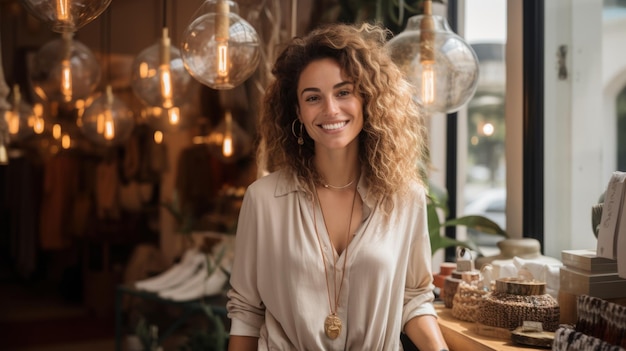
(485, 171)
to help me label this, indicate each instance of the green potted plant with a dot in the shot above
(437, 209)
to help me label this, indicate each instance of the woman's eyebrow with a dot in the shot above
(317, 90)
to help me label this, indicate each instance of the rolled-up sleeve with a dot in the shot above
(418, 293)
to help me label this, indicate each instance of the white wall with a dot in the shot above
(574, 127)
(613, 81)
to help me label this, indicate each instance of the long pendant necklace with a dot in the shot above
(333, 324)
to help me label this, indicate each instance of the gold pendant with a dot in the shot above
(332, 326)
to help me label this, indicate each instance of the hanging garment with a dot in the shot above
(60, 187)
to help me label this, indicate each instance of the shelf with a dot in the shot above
(462, 336)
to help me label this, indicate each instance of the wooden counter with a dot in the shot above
(461, 336)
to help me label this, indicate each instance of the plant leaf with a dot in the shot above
(441, 242)
(480, 223)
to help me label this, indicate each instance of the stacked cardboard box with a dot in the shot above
(585, 273)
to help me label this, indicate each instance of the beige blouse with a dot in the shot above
(278, 282)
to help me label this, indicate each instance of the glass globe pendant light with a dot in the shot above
(20, 118)
(441, 65)
(169, 120)
(107, 121)
(65, 70)
(219, 48)
(64, 16)
(228, 141)
(159, 77)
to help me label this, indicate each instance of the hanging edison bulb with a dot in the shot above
(65, 70)
(441, 65)
(20, 119)
(5, 138)
(220, 49)
(107, 121)
(159, 77)
(228, 141)
(167, 120)
(39, 124)
(64, 16)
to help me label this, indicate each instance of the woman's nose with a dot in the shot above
(331, 107)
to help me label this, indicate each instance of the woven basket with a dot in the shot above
(515, 301)
(467, 301)
(451, 284)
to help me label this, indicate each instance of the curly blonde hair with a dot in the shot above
(393, 143)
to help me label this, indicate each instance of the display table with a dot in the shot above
(217, 305)
(461, 336)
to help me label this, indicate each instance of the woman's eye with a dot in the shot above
(311, 98)
(344, 93)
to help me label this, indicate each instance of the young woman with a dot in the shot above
(332, 249)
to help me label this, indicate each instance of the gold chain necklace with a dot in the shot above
(325, 185)
(333, 324)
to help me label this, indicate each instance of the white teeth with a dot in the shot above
(333, 126)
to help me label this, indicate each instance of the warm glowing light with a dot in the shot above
(66, 141)
(39, 125)
(173, 115)
(488, 129)
(4, 157)
(79, 105)
(38, 122)
(428, 83)
(222, 59)
(166, 85)
(109, 125)
(13, 120)
(100, 123)
(227, 145)
(63, 10)
(66, 80)
(158, 136)
(38, 109)
(56, 131)
(12, 117)
(144, 70)
(165, 72)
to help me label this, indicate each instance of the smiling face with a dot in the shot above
(328, 106)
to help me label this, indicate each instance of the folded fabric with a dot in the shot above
(190, 263)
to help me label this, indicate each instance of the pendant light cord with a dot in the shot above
(172, 27)
(164, 14)
(106, 43)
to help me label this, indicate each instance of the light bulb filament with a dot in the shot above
(63, 10)
(166, 85)
(165, 70)
(66, 80)
(222, 59)
(173, 115)
(428, 83)
(158, 136)
(66, 141)
(109, 126)
(227, 143)
(39, 125)
(227, 146)
(56, 131)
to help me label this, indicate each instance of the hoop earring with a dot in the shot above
(293, 131)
